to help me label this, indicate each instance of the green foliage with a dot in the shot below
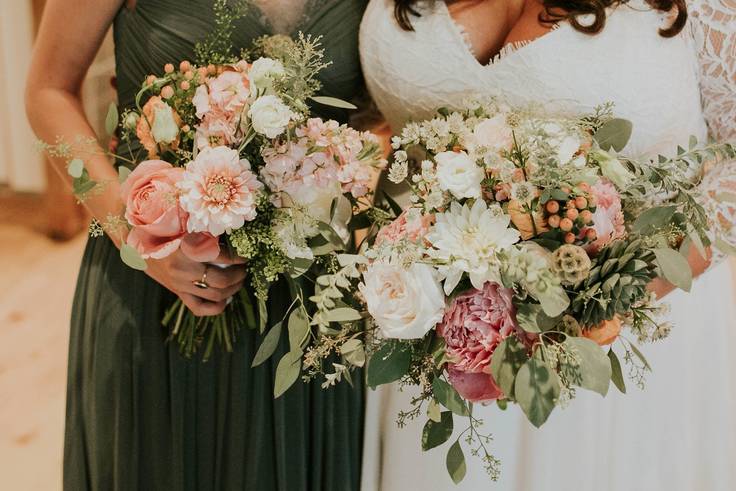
(268, 345)
(287, 372)
(675, 267)
(456, 463)
(132, 258)
(614, 134)
(537, 389)
(594, 367)
(507, 359)
(617, 375)
(388, 364)
(298, 328)
(217, 48)
(448, 397)
(111, 120)
(435, 433)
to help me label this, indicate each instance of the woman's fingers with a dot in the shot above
(200, 307)
(225, 277)
(226, 257)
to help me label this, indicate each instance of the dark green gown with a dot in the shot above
(139, 416)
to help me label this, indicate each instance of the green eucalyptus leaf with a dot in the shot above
(434, 411)
(507, 359)
(333, 102)
(654, 218)
(526, 316)
(388, 364)
(536, 389)
(617, 375)
(329, 233)
(675, 267)
(641, 356)
(299, 266)
(298, 328)
(287, 372)
(268, 345)
(132, 258)
(435, 433)
(353, 352)
(83, 185)
(456, 463)
(262, 315)
(448, 397)
(75, 168)
(614, 134)
(343, 314)
(123, 173)
(111, 120)
(595, 366)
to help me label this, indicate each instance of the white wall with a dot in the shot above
(21, 166)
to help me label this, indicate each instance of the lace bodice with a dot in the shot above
(655, 82)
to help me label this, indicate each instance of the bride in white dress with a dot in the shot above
(680, 432)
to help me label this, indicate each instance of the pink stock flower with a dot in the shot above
(219, 191)
(404, 228)
(473, 326)
(159, 223)
(220, 104)
(608, 218)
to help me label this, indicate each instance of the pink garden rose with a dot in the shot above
(159, 224)
(220, 104)
(608, 219)
(405, 228)
(473, 326)
(219, 191)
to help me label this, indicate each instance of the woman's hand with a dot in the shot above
(178, 273)
(698, 264)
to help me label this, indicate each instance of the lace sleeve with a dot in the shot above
(714, 28)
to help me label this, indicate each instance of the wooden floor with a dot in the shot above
(37, 279)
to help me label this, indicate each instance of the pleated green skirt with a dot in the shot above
(141, 417)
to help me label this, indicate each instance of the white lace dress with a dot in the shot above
(679, 434)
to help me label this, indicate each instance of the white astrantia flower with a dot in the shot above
(459, 174)
(398, 172)
(467, 240)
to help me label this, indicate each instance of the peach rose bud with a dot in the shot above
(604, 333)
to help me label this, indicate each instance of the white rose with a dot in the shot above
(270, 116)
(459, 174)
(262, 73)
(165, 129)
(404, 303)
(494, 133)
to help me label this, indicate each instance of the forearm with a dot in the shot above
(57, 115)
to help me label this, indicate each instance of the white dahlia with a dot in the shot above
(467, 239)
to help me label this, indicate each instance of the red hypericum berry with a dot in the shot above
(569, 238)
(572, 213)
(169, 68)
(591, 235)
(586, 216)
(554, 221)
(552, 207)
(581, 203)
(566, 224)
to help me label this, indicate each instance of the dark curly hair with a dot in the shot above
(569, 10)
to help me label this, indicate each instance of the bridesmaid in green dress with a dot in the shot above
(139, 416)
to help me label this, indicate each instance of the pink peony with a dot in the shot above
(404, 228)
(219, 191)
(474, 324)
(159, 223)
(608, 219)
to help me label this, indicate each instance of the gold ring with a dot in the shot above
(202, 282)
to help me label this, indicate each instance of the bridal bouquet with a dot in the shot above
(526, 250)
(233, 160)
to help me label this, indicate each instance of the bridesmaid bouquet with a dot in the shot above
(526, 250)
(233, 161)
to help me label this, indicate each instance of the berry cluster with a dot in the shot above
(573, 216)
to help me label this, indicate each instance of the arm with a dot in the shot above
(713, 24)
(70, 35)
